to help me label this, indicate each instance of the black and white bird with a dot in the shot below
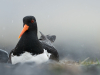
(47, 43)
(29, 48)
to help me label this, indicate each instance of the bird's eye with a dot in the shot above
(32, 21)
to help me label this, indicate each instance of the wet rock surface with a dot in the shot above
(3, 56)
(51, 68)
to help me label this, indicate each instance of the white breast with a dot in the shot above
(28, 57)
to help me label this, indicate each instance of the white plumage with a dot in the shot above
(28, 57)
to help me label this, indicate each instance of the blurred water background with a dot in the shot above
(76, 24)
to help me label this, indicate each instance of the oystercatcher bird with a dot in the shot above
(47, 43)
(29, 48)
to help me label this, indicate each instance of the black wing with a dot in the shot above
(52, 50)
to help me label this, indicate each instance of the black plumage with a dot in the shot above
(47, 43)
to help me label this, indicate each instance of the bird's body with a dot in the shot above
(29, 48)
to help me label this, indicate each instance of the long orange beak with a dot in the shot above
(23, 31)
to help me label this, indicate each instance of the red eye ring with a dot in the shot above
(32, 21)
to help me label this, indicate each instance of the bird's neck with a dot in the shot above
(30, 34)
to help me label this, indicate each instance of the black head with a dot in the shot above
(29, 24)
(30, 21)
